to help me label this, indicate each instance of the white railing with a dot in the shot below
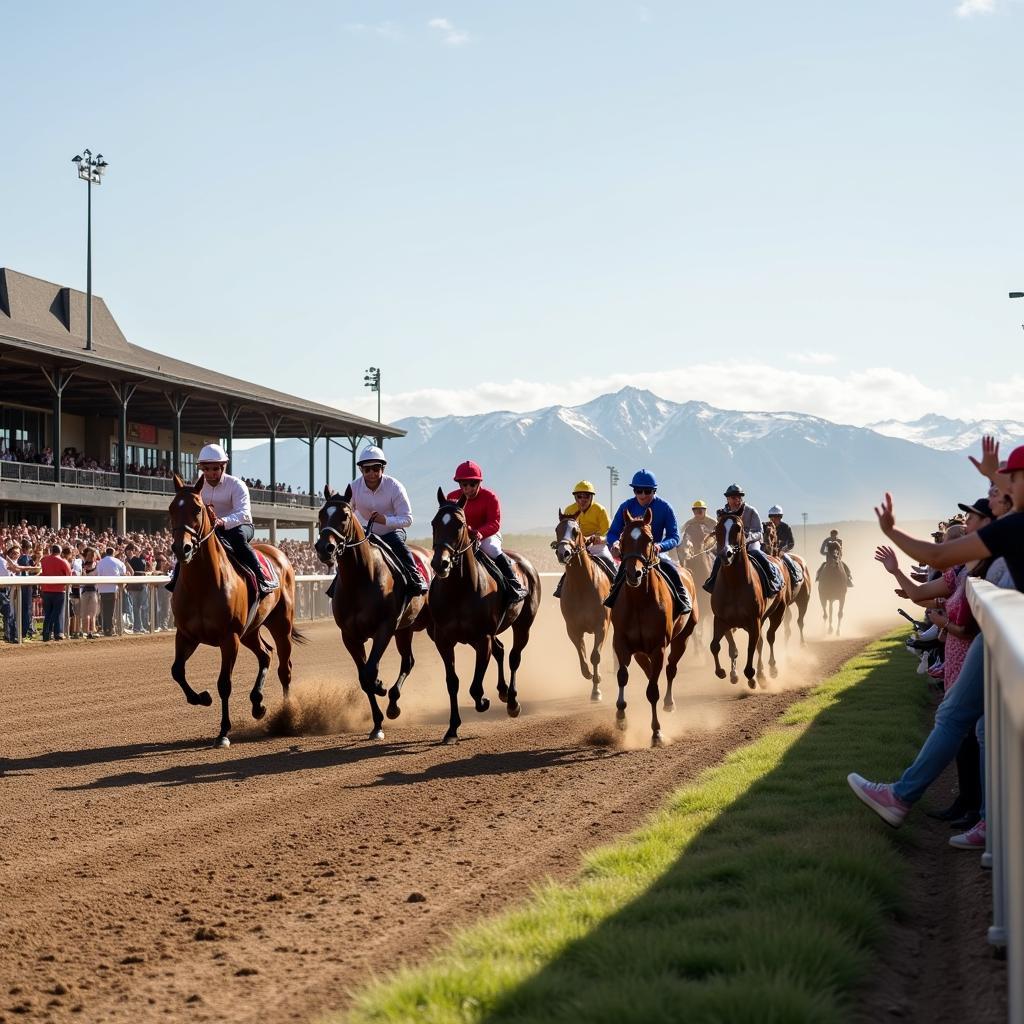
(1000, 614)
(310, 600)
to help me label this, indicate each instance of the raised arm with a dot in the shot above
(940, 556)
(914, 591)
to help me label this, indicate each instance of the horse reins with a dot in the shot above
(456, 555)
(345, 542)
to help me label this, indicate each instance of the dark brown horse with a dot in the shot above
(468, 607)
(645, 621)
(368, 602)
(739, 601)
(832, 584)
(211, 606)
(584, 591)
(799, 598)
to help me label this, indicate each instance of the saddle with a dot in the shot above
(795, 572)
(496, 574)
(396, 567)
(681, 604)
(271, 580)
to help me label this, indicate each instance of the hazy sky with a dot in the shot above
(805, 205)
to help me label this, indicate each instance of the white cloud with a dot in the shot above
(452, 35)
(969, 8)
(385, 29)
(813, 358)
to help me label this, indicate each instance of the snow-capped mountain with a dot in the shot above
(950, 434)
(805, 463)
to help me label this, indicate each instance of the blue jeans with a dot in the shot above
(139, 610)
(53, 615)
(956, 716)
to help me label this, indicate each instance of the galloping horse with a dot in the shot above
(645, 620)
(739, 601)
(832, 584)
(584, 592)
(368, 602)
(211, 606)
(802, 596)
(469, 607)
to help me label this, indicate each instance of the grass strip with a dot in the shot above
(757, 894)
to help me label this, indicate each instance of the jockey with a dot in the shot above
(229, 498)
(698, 527)
(834, 538)
(483, 517)
(664, 527)
(787, 542)
(748, 516)
(383, 504)
(592, 518)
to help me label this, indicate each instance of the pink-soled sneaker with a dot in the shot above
(879, 797)
(972, 839)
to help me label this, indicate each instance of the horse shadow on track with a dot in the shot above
(11, 766)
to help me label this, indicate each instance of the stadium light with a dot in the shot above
(371, 380)
(90, 170)
(613, 479)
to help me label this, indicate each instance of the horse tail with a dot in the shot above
(299, 637)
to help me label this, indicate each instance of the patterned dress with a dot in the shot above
(959, 612)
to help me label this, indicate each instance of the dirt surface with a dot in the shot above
(146, 876)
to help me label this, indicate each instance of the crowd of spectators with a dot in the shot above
(983, 540)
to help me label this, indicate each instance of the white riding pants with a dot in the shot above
(491, 546)
(600, 550)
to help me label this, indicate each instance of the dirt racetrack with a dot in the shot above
(148, 877)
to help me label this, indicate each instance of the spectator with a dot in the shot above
(29, 567)
(54, 594)
(71, 556)
(8, 567)
(138, 594)
(109, 565)
(90, 599)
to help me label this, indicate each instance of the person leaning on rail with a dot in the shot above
(964, 704)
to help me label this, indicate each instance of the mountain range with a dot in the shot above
(805, 463)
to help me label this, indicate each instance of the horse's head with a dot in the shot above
(190, 523)
(450, 533)
(637, 547)
(729, 534)
(568, 538)
(335, 519)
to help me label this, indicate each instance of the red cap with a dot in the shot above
(468, 471)
(1015, 461)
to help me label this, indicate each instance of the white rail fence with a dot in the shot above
(130, 611)
(1000, 614)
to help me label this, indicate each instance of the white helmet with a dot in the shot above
(371, 453)
(213, 453)
(776, 510)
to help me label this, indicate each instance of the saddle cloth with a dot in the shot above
(270, 575)
(681, 604)
(795, 573)
(393, 563)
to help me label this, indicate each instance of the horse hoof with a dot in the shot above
(752, 683)
(450, 738)
(656, 740)
(514, 709)
(258, 711)
(482, 704)
(376, 734)
(393, 711)
(595, 697)
(221, 741)
(378, 688)
(669, 705)
(502, 694)
(621, 723)
(773, 672)
(720, 672)
(205, 699)
(734, 678)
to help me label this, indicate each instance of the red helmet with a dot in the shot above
(1015, 461)
(468, 471)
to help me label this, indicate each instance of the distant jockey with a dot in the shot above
(786, 544)
(698, 527)
(592, 518)
(833, 538)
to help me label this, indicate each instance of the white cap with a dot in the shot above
(371, 453)
(776, 510)
(213, 453)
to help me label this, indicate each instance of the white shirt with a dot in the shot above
(4, 571)
(230, 500)
(109, 565)
(390, 500)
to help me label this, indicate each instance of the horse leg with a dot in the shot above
(839, 617)
(595, 662)
(753, 642)
(576, 637)
(184, 648)
(786, 622)
(228, 654)
(734, 657)
(622, 677)
(403, 641)
(498, 651)
(774, 621)
(655, 663)
(255, 643)
(357, 649)
(370, 682)
(476, 687)
(716, 647)
(279, 623)
(520, 638)
(447, 652)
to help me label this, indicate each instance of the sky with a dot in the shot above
(800, 206)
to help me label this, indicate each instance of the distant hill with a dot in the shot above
(952, 435)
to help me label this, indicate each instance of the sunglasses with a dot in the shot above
(469, 483)
(643, 490)
(372, 469)
(582, 494)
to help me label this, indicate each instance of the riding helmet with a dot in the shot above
(467, 472)
(641, 478)
(371, 453)
(734, 489)
(776, 510)
(213, 453)
(698, 504)
(584, 487)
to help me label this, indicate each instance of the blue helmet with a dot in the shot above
(641, 478)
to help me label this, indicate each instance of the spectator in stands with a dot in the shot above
(109, 565)
(90, 599)
(138, 594)
(29, 566)
(54, 594)
(8, 567)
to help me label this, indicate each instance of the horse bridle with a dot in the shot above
(576, 544)
(199, 540)
(646, 564)
(456, 554)
(345, 542)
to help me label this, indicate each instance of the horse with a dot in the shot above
(211, 606)
(468, 606)
(832, 584)
(739, 601)
(368, 602)
(801, 597)
(645, 621)
(583, 595)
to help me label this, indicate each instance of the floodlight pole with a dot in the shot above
(804, 517)
(90, 170)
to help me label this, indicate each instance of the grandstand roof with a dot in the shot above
(43, 325)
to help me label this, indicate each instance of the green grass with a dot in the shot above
(758, 894)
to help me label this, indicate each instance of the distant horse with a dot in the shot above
(645, 621)
(211, 606)
(801, 597)
(468, 606)
(583, 595)
(368, 602)
(739, 601)
(832, 584)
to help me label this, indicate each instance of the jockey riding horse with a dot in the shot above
(748, 516)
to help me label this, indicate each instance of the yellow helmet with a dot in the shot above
(698, 504)
(584, 487)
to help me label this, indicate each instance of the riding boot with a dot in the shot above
(709, 583)
(620, 578)
(516, 590)
(849, 578)
(414, 578)
(169, 585)
(559, 585)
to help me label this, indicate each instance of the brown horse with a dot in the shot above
(211, 606)
(645, 620)
(801, 597)
(832, 584)
(739, 601)
(368, 602)
(584, 592)
(468, 607)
